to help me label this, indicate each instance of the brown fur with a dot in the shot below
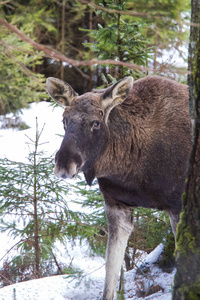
(135, 138)
(148, 153)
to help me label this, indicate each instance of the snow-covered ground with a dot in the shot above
(90, 286)
(15, 145)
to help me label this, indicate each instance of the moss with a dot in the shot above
(193, 296)
(184, 195)
(191, 292)
(180, 242)
(185, 237)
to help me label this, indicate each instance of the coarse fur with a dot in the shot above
(135, 138)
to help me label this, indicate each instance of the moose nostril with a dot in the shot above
(64, 176)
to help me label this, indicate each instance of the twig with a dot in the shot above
(22, 240)
(6, 278)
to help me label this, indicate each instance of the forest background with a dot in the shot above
(82, 43)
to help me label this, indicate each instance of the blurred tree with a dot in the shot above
(130, 31)
(120, 39)
(167, 31)
(20, 84)
(150, 34)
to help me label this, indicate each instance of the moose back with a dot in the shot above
(134, 137)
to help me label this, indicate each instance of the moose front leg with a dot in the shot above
(120, 226)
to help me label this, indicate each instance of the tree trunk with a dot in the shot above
(35, 200)
(187, 278)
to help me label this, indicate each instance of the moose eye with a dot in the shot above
(95, 125)
(101, 113)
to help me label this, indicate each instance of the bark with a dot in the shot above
(187, 278)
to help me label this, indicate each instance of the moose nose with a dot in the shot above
(63, 176)
(70, 172)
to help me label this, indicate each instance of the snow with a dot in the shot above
(15, 145)
(153, 257)
(53, 288)
(90, 286)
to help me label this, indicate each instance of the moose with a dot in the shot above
(135, 138)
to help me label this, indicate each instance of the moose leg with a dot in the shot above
(174, 219)
(120, 226)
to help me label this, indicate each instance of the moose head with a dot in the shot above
(86, 125)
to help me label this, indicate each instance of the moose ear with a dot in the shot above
(60, 91)
(116, 94)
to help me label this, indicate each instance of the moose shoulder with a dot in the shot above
(135, 139)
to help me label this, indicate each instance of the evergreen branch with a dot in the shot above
(24, 69)
(134, 13)
(122, 12)
(54, 54)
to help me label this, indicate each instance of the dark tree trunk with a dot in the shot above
(187, 278)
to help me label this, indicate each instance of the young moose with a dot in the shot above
(135, 139)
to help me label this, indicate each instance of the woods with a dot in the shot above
(83, 42)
